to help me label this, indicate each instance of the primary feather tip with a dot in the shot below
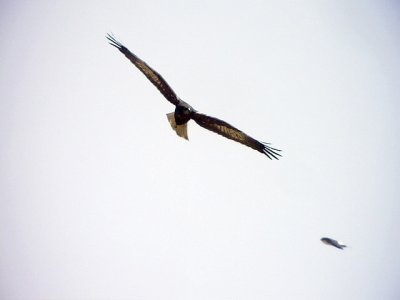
(271, 152)
(113, 41)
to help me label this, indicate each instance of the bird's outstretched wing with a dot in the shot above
(151, 74)
(230, 132)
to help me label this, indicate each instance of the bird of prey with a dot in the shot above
(333, 243)
(184, 112)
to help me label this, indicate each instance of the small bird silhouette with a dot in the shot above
(333, 243)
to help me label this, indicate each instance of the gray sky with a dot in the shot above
(101, 200)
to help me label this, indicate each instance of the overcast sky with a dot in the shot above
(100, 199)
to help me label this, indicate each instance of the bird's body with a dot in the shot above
(184, 112)
(332, 242)
(179, 119)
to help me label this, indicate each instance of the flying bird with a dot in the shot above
(332, 242)
(184, 112)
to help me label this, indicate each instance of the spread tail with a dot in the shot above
(180, 130)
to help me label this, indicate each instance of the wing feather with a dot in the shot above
(221, 127)
(151, 74)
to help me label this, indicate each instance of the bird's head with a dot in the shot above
(182, 110)
(182, 114)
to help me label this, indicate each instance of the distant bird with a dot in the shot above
(184, 112)
(333, 243)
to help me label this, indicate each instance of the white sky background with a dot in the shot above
(99, 199)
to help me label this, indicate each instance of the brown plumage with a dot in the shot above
(184, 112)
